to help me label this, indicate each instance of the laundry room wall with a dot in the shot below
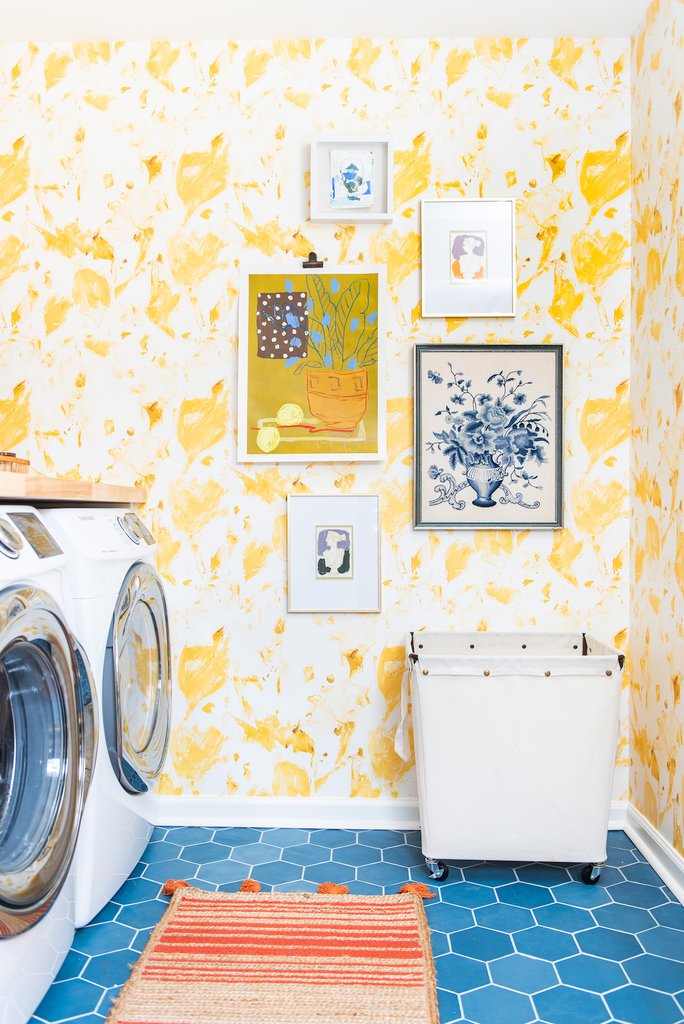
(134, 181)
(657, 727)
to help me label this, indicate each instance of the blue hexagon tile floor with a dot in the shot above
(513, 943)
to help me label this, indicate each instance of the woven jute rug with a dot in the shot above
(284, 958)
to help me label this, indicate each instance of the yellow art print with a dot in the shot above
(310, 366)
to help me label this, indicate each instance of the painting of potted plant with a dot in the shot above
(488, 435)
(309, 367)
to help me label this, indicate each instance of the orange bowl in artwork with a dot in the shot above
(338, 398)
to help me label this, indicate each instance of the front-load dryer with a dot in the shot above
(47, 745)
(119, 612)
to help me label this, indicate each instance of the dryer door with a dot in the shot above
(137, 684)
(46, 751)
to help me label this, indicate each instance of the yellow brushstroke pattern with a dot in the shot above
(202, 175)
(203, 669)
(202, 422)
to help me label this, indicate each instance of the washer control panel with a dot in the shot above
(35, 533)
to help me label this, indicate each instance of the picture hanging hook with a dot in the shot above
(313, 262)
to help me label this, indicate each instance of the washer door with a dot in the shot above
(46, 754)
(137, 684)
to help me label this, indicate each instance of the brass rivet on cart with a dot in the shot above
(486, 672)
(547, 673)
(609, 672)
(426, 672)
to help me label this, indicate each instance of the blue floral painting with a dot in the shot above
(488, 435)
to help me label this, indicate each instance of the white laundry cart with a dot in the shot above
(515, 741)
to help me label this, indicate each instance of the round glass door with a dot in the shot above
(41, 757)
(141, 679)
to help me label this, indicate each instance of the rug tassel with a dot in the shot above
(419, 888)
(172, 884)
(250, 885)
(332, 889)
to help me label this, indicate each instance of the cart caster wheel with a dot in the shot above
(590, 874)
(438, 870)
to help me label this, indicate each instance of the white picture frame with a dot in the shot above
(333, 553)
(381, 153)
(468, 258)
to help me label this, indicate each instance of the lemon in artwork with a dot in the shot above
(290, 415)
(268, 438)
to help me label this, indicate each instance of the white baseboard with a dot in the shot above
(659, 853)
(288, 812)
(618, 815)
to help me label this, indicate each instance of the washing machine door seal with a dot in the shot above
(137, 684)
(47, 749)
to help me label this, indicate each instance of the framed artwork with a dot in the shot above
(310, 366)
(488, 437)
(468, 257)
(333, 553)
(351, 179)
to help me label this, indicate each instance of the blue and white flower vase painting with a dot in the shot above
(488, 436)
(352, 180)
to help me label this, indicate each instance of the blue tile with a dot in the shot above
(543, 874)
(564, 918)
(66, 999)
(283, 837)
(381, 838)
(188, 835)
(135, 890)
(655, 972)
(468, 894)
(142, 915)
(355, 855)
(340, 873)
(109, 968)
(108, 999)
(617, 838)
(576, 894)
(564, 1005)
(332, 837)
(545, 943)
(490, 874)
(255, 853)
(642, 873)
(446, 918)
(357, 888)
(298, 886)
(523, 973)
(158, 832)
(620, 858)
(623, 919)
(439, 943)
(160, 851)
(205, 853)
(504, 918)
(72, 966)
(635, 1005)
(635, 894)
(141, 939)
(171, 869)
(223, 871)
(449, 1007)
(590, 972)
(103, 938)
(414, 838)
(671, 915)
(481, 943)
(383, 874)
(521, 894)
(609, 944)
(108, 913)
(408, 856)
(460, 973)
(306, 854)
(493, 1005)
(237, 836)
(277, 872)
(664, 942)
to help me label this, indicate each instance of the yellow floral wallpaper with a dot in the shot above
(135, 179)
(657, 634)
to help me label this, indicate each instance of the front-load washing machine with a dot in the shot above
(47, 746)
(119, 613)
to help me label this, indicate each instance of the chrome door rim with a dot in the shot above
(27, 615)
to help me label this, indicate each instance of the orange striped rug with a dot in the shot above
(284, 958)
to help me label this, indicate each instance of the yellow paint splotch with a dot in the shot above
(192, 257)
(457, 558)
(400, 254)
(90, 289)
(566, 301)
(493, 49)
(255, 65)
(162, 303)
(202, 175)
(596, 506)
(564, 553)
(391, 666)
(15, 417)
(14, 172)
(202, 422)
(271, 238)
(195, 506)
(606, 174)
(55, 313)
(290, 780)
(412, 170)
(386, 764)
(361, 785)
(494, 542)
(168, 546)
(55, 68)
(566, 54)
(354, 659)
(679, 560)
(160, 61)
(254, 558)
(597, 257)
(605, 422)
(11, 250)
(362, 58)
(194, 751)
(457, 64)
(203, 669)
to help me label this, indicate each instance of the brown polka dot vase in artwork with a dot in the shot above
(282, 325)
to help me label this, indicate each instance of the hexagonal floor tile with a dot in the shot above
(522, 894)
(671, 915)
(333, 837)
(623, 919)
(339, 873)
(449, 1007)
(444, 917)
(160, 851)
(72, 966)
(576, 894)
(543, 874)
(481, 944)
(277, 872)
(255, 853)
(523, 973)
(103, 938)
(490, 874)
(493, 1005)
(164, 869)
(108, 969)
(564, 918)
(135, 890)
(564, 1005)
(467, 894)
(306, 854)
(460, 973)
(545, 943)
(664, 942)
(66, 999)
(188, 835)
(407, 856)
(635, 1005)
(237, 836)
(636, 894)
(504, 918)
(283, 837)
(356, 855)
(655, 972)
(142, 915)
(608, 944)
(205, 853)
(223, 871)
(591, 973)
(383, 874)
(299, 886)
(381, 838)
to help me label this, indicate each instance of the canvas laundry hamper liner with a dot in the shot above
(515, 742)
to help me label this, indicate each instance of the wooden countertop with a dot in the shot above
(43, 490)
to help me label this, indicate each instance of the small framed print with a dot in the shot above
(333, 553)
(489, 437)
(468, 257)
(351, 179)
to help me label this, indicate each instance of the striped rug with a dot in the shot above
(284, 958)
